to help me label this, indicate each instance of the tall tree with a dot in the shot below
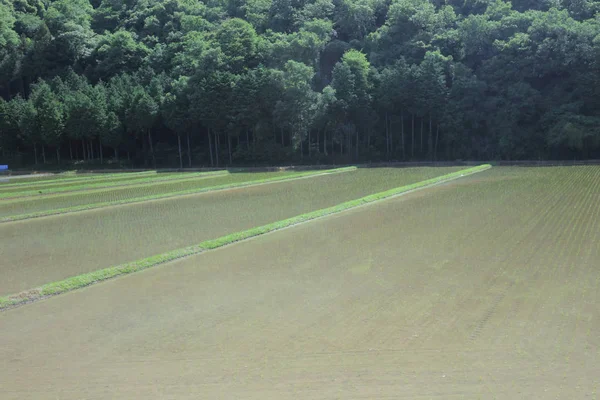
(49, 116)
(295, 112)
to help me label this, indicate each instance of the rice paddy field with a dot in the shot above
(39, 190)
(65, 245)
(484, 286)
(38, 177)
(19, 181)
(130, 191)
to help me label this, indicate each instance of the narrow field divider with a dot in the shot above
(80, 281)
(92, 206)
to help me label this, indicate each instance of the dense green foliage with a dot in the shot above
(185, 82)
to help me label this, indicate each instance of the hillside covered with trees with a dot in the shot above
(222, 82)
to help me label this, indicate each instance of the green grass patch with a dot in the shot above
(87, 279)
(170, 194)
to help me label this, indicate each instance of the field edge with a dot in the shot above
(91, 278)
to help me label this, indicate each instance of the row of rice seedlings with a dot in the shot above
(96, 276)
(182, 221)
(550, 267)
(71, 244)
(160, 194)
(103, 184)
(545, 193)
(498, 196)
(569, 238)
(55, 179)
(581, 269)
(37, 177)
(116, 194)
(75, 182)
(471, 202)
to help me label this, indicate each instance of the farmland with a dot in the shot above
(131, 190)
(20, 182)
(65, 245)
(39, 178)
(483, 287)
(70, 186)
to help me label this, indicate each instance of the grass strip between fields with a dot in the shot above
(36, 194)
(86, 207)
(80, 281)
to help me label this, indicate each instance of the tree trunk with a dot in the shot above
(101, 153)
(116, 153)
(421, 150)
(332, 144)
(349, 145)
(309, 131)
(391, 136)
(71, 149)
(217, 148)
(430, 141)
(58, 155)
(301, 148)
(247, 140)
(318, 141)
(282, 138)
(179, 147)
(43, 154)
(83, 148)
(402, 130)
(210, 147)
(76, 152)
(35, 153)
(356, 148)
(92, 148)
(412, 143)
(229, 146)
(151, 149)
(189, 151)
(437, 139)
(325, 142)
(387, 137)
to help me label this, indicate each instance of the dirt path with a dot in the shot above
(487, 290)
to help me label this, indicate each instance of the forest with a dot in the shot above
(182, 83)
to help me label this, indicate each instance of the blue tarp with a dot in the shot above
(3, 167)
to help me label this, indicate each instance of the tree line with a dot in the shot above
(224, 82)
